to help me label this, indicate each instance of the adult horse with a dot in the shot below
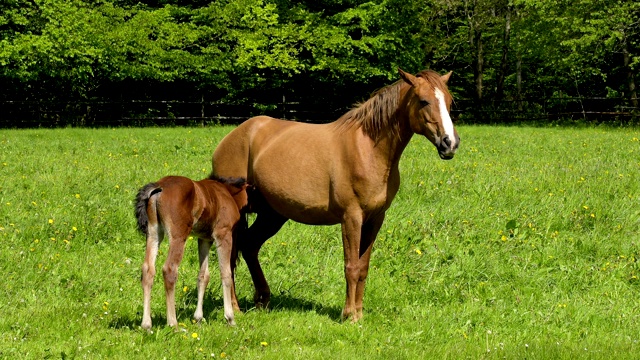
(344, 172)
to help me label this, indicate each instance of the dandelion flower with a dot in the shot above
(194, 335)
(184, 289)
(50, 221)
(264, 343)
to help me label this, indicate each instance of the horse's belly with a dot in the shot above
(297, 188)
(306, 201)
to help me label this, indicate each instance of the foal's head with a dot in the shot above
(429, 105)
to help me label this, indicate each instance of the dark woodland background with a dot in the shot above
(127, 62)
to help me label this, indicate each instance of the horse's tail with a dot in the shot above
(141, 204)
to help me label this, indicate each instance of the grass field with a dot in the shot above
(526, 245)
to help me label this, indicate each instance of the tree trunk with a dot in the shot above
(519, 80)
(505, 49)
(475, 45)
(479, 64)
(626, 57)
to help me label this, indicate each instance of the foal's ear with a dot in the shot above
(408, 78)
(445, 77)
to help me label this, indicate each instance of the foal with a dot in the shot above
(178, 206)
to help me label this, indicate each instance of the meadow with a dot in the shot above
(525, 245)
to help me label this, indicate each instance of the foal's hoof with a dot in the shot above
(146, 325)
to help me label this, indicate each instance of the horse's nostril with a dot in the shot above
(447, 141)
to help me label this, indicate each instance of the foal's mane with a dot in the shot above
(377, 115)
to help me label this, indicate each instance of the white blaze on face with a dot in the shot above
(446, 119)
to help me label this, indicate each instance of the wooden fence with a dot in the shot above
(29, 114)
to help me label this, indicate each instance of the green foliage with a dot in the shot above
(515, 249)
(251, 50)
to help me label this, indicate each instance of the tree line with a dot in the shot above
(330, 52)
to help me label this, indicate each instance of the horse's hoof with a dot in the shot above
(261, 301)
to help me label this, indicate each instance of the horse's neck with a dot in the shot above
(396, 141)
(394, 147)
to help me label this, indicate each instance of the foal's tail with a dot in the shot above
(141, 203)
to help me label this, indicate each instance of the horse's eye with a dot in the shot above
(423, 103)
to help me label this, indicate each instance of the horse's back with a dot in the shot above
(231, 157)
(258, 135)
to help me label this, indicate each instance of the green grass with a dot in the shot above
(526, 245)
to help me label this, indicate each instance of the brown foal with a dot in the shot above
(178, 206)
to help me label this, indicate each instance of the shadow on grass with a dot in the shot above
(214, 306)
(213, 310)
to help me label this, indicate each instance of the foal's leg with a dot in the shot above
(351, 230)
(224, 243)
(203, 276)
(177, 241)
(369, 232)
(266, 225)
(154, 237)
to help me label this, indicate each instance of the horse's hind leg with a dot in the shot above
(154, 237)
(177, 241)
(267, 224)
(203, 276)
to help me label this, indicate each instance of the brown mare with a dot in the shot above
(177, 206)
(345, 172)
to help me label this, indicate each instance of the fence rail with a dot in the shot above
(21, 114)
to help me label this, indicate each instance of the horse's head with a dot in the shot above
(429, 105)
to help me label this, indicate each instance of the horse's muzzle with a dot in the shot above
(447, 148)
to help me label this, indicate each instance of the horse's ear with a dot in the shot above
(445, 77)
(408, 78)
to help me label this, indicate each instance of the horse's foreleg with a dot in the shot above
(154, 237)
(170, 273)
(351, 229)
(203, 276)
(265, 226)
(224, 243)
(368, 237)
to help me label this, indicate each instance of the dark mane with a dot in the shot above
(377, 116)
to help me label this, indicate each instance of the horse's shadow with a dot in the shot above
(213, 310)
(278, 302)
